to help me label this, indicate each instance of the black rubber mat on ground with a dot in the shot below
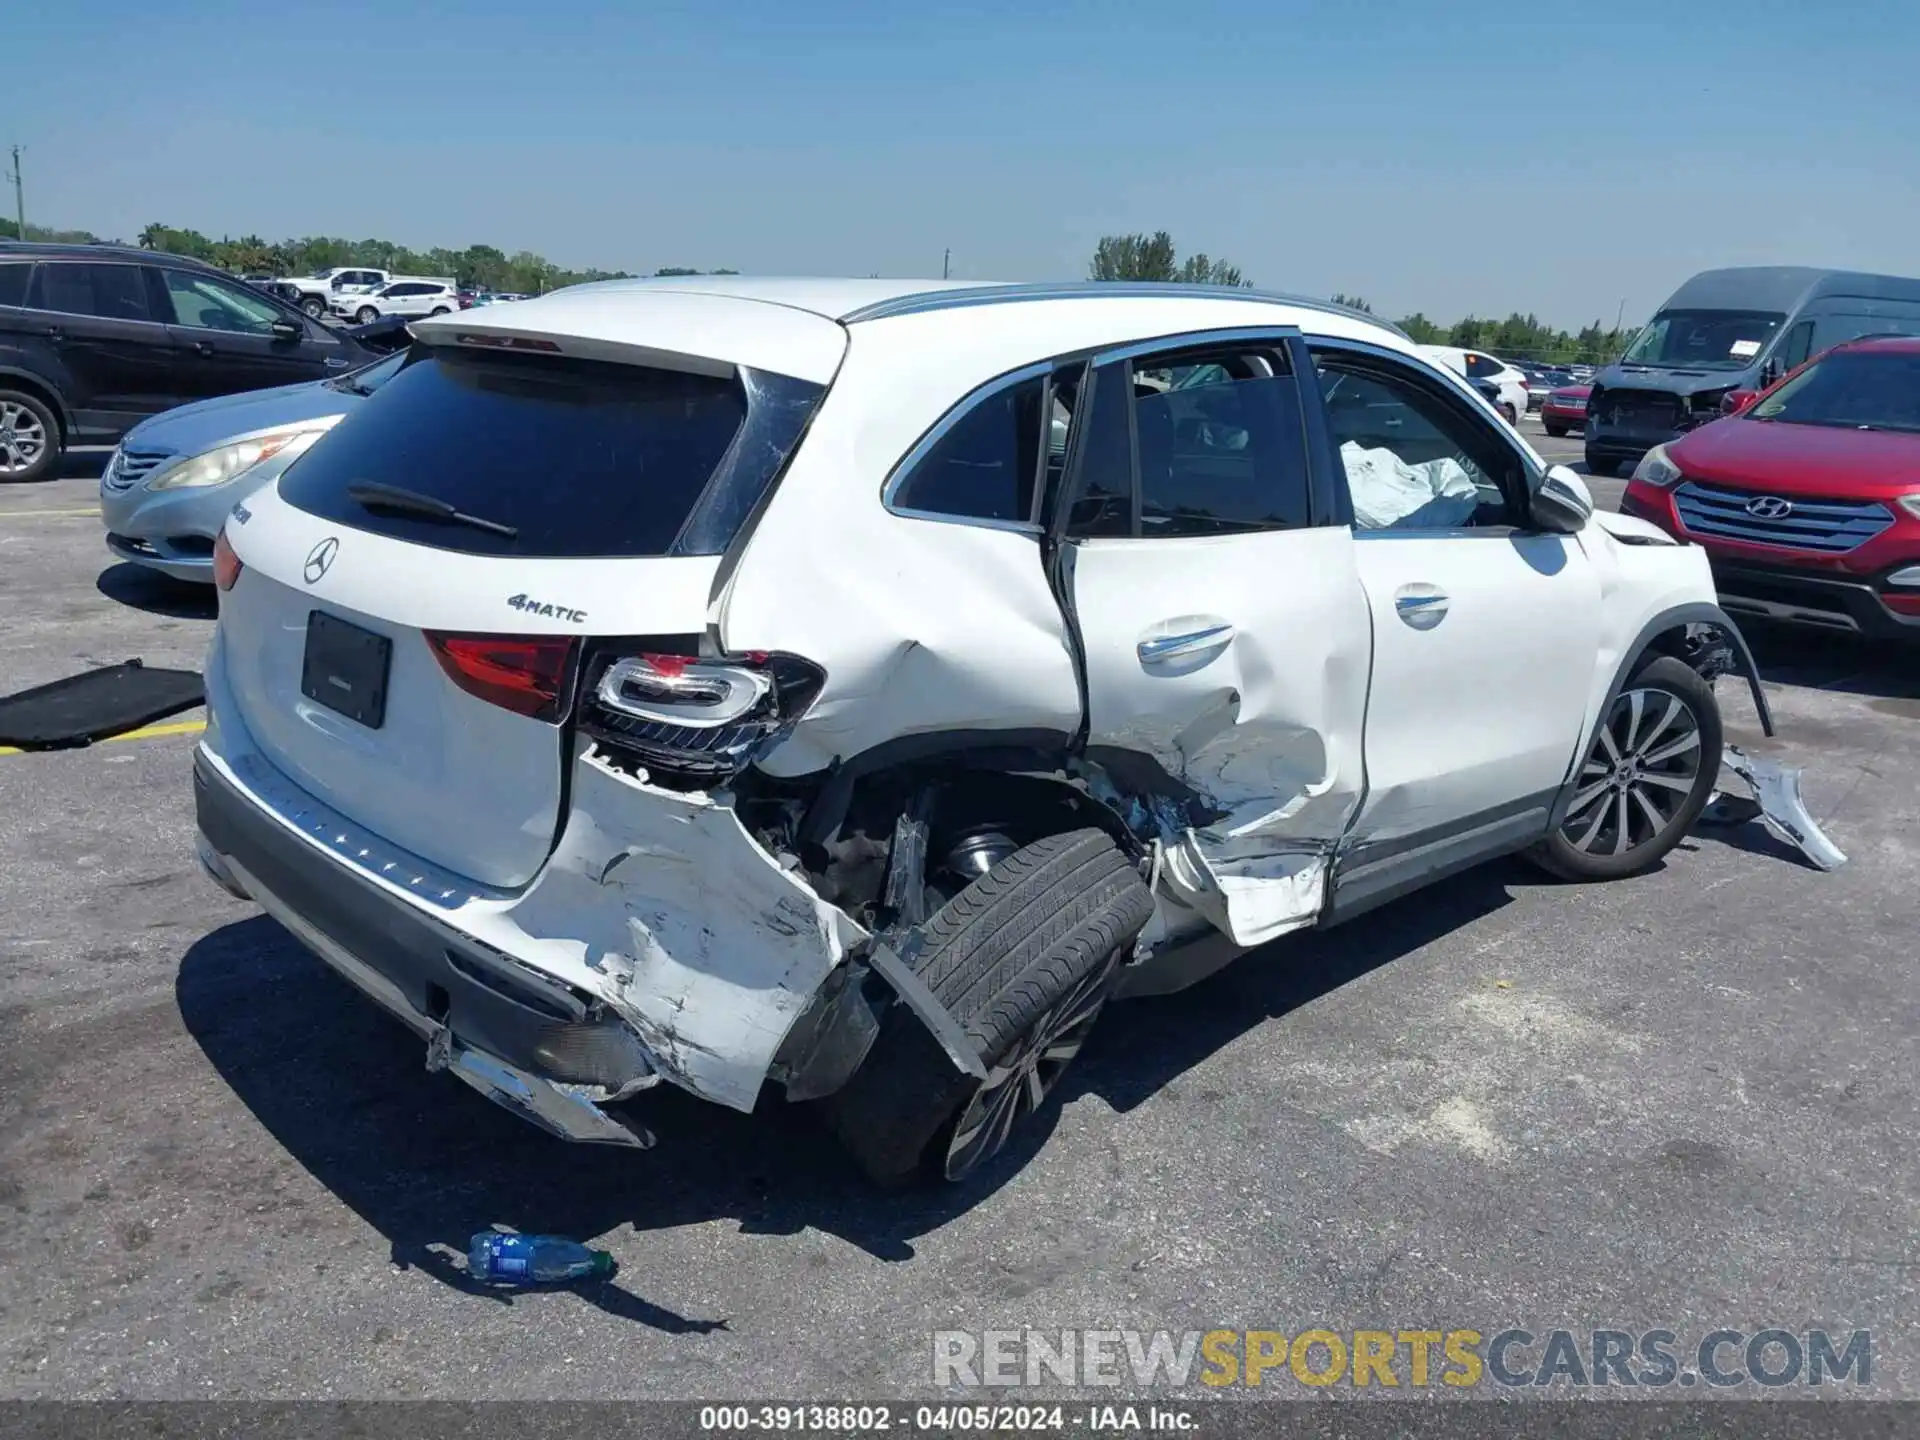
(92, 705)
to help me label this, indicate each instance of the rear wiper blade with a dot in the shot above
(372, 496)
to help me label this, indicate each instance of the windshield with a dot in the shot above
(1854, 389)
(1707, 339)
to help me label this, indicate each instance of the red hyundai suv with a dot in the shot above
(1807, 498)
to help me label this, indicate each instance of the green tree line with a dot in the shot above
(1518, 337)
(477, 266)
(1117, 257)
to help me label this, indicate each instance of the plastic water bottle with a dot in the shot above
(533, 1259)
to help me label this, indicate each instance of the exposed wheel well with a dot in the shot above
(945, 819)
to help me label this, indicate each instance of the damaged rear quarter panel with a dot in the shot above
(686, 926)
(922, 625)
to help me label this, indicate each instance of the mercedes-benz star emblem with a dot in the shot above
(320, 559)
(1769, 507)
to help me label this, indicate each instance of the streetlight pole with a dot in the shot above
(19, 197)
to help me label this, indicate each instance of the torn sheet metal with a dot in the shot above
(690, 931)
(1251, 893)
(1778, 804)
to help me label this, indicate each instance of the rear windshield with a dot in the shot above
(1704, 339)
(577, 457)
(1855, 389)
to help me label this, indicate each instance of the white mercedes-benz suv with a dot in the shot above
(838, 691)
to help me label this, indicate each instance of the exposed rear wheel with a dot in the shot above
(314, 306)
(1024, 960)
(1557, 431)
(1602, 465)
(1644, 780)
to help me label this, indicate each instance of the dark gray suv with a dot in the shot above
(95, 338)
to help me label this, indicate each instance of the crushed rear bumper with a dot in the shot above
(551, 1054)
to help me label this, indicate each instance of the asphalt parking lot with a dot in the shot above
(1683, 1101)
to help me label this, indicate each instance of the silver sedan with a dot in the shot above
(170, 485)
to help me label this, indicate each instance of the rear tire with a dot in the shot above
(1558, 432)
(1601, 465)
(30, 439)
(315, 308)
(440, 310)
(1507, 410)
(366, 315)
(1645, 778)
(1024, 960)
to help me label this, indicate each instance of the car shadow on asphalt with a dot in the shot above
(82, 464)
(427, 1162)
(157, 594)
(1142, 1045)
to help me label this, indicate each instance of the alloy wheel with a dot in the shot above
(23, 438)
(1019, 1085)
(1644, 763)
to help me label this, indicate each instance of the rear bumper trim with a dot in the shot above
(556, 1058)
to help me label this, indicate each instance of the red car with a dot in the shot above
(1565, 409)
(1807, 497)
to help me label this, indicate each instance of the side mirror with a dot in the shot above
(1562, 504)
(1734, 401)
(284, 329)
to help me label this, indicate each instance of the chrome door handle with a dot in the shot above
(1421, 606)
(1160, 648)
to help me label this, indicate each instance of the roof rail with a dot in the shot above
(927, 301)
(81, 248)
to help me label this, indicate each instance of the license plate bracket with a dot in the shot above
(345, 668)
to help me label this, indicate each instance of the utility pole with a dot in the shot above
(1620, 315)
(946, 263)
(19, 196)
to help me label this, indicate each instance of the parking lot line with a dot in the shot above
(45, 514)
(145, 732)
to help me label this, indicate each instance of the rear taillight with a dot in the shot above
(527, 674)
(697, 720)
(226, 564)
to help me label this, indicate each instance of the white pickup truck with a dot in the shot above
(318, 292)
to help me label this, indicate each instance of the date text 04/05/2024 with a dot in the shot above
(941, 1419)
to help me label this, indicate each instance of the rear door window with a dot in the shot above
(579, 457)
(106, 292)
(1221, 446)
(13, 282)
(1193, 443)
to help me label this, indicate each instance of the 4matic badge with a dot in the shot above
(546, 611)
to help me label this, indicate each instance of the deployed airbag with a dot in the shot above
(1388, 493)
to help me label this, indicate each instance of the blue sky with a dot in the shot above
(1440, 156)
